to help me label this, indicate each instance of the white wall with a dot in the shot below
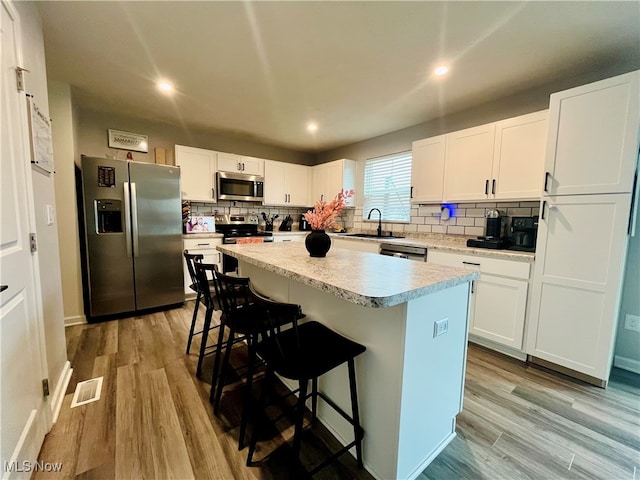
(61, 111)
(43, 186)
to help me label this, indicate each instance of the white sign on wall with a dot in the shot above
(40, 136)
(128, 141)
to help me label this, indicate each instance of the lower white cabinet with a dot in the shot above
(289, 237)
(206, 247)
(498, 307)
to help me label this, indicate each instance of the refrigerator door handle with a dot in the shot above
(134, 219)
(127, 218)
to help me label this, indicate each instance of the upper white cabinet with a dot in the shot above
(593, 137)
(286, 184)
(197, 173)
(502, 160)
(427, 169)
(519, 157)
(329, 178)
(468, 163)
(230, 162)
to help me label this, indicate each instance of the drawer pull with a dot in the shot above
(471, 263)
(204, 244)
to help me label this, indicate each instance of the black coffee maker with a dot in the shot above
(303, 225)
(493, 232)
(524, 233)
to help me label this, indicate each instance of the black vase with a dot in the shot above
(318, 243)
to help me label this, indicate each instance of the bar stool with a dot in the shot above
(303, 353)
(191, 260)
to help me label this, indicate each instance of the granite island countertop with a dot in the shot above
(365, 279)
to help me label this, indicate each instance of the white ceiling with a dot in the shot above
(262, 70)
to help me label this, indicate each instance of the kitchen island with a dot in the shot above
(412, 318)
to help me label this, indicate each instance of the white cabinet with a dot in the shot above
(205, 247)
(468, 163)
(329, 178)
(289, 237)
(357, 245)
(518, 160)
(502, 160)
(498, 306)
(286, 184)
(427, 169)
(230, 162)
(593, 137)
(580, 257)
(197, 173)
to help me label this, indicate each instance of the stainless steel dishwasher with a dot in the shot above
(404, 251)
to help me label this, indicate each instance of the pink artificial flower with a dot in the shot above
(324, 214)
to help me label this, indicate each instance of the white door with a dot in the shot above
(498, 309)
(197, 173)
(580, 257)
(24, 416)
(427, 169)
(518, 160)
(468, 164)
(593, 137)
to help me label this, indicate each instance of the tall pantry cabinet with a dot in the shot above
(591, 161)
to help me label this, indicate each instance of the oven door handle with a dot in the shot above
(394, 254)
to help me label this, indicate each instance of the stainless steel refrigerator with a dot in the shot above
(133, 236)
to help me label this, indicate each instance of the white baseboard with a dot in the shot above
(61, 388)
(626, 363)
(75, 320)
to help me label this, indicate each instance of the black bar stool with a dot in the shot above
(303, 353)
(192, 260)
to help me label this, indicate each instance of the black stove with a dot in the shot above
(235, 228)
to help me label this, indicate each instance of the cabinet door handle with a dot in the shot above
(3, 287)
(473, 282)
(544, 204)
(411, 193)
(243, 166)
(546, 181)
(213, 193)
(493, 186)
(219, 257)
(486, 187)
(471, 263)
(239, 166)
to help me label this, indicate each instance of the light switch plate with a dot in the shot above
(632, 322)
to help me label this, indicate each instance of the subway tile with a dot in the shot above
(478, 231)
(508, 204)
(460, 212)
(456, 230)
(439, 229)
(412, 227)
(475, 212)
(530, 204)
(424, 228)
(466, 222)
(432, 220)
(519, 212)
(450, 222)
(417, 220)
(480, 222)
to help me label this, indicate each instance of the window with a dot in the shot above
(387, 186)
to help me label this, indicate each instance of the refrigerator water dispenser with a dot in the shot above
(108, 216)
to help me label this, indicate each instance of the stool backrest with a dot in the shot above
(191, 259)
(204, 271)
(232, 293)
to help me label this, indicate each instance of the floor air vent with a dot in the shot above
(87, 392)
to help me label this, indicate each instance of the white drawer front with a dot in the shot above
(201, 243)
(495, 266)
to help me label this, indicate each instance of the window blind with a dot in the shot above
(387, 186)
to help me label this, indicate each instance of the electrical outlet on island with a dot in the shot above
(440, 327)
(632, 322)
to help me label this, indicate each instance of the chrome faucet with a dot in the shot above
(379, 219)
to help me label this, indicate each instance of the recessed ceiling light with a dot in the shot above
(312, 126)
(441, 70)
(165, 87)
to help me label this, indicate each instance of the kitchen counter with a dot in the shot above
(353, 276)
(202, 235)
(446, 243)
(410, 379)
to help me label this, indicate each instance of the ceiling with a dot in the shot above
(262, 70)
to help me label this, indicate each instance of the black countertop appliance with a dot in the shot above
(493, 237)
(303, 225)
(524, 233)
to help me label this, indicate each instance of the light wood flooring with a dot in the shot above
(154, 420)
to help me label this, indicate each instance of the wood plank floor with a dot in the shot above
(154, 420)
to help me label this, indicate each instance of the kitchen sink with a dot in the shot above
(370, 235)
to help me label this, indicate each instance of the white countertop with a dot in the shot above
(362, 278)
(446, 243)
(202, 235)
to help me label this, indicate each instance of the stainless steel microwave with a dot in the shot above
(238, 186)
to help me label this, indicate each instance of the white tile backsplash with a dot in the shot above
(468, 218)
